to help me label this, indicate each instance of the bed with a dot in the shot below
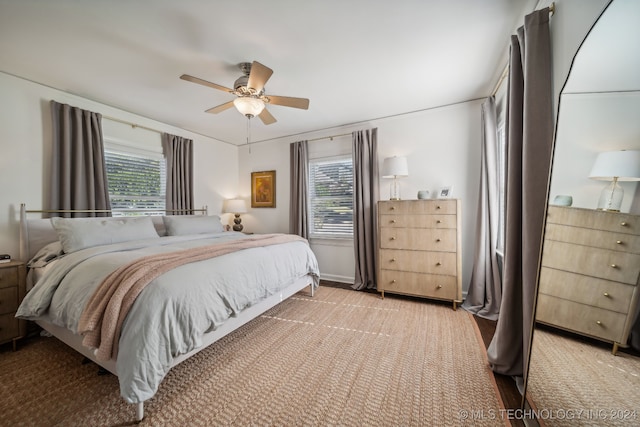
(139, 295)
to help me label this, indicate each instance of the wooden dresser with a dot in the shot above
(12, 291)
(590, 272)
(419, 248)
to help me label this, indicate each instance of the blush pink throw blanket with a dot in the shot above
(101, 320)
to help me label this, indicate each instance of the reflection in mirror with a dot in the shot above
(582, 357)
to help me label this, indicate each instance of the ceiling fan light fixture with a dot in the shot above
(249, 106)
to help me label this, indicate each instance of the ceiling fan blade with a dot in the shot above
(205, 83)
(266, 117)
(220, 108)
(287, 101)
(258, 76)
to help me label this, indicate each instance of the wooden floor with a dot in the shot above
(511, 397)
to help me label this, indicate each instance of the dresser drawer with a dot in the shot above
(425, 285)
(419, 239)
(8, 300)
(418, 221)
(598, 220)
(586, 290)
(9, 327)
(597, 322)
(418, 207)
(602, 263)
(8, 276)
(596, 238)
(419, 262)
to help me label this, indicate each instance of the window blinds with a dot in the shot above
(331, 197)
(135, 181)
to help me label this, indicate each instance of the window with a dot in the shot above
(331, 197)
(136, 178)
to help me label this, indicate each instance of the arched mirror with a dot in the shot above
(588, 292)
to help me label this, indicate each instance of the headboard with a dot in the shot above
(35, 233)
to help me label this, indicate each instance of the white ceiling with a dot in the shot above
(355, 60)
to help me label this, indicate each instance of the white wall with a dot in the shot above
(25, 138)
(442, 146)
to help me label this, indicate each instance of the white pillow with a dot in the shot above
(178, 225)
(82, 233)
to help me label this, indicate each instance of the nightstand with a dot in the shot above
(12, 291)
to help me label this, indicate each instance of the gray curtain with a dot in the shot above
(366, 193)
(485, 289)
(298, 215)
(178, 152)
(78, 174)
(529, 131)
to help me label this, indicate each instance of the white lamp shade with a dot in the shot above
(624, 165)
(393, 167)
(235, 206)
(249, 106)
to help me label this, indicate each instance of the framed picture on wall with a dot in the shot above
(263, 189)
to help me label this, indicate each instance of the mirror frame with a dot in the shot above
(524, 402)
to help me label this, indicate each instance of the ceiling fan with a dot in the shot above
(249, 90)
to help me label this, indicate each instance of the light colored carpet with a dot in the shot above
(341, 358)
(572, 382)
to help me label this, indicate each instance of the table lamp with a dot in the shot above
(236, 207)
(615, 166)
(394, 167)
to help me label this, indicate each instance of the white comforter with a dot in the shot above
(171, 315)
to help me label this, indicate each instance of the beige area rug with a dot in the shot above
(573, 383)
(341, 358)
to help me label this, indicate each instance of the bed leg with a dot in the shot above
(139, 411)
(311, 288)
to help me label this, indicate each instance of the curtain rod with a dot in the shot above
(328, 137)
(552, 10)
(133, 125)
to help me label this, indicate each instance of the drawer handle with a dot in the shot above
(392, 260)
(393, 221)
(439, 287)
(393, 281)
(438, 207)
(598, 322)
(623, 223)
(393, 238)
(606, 294)
(437, 240)
(393, 208)
(438, 264)
(618, 242)
(438, 222)
(614, 266)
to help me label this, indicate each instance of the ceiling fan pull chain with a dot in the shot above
(249, 133)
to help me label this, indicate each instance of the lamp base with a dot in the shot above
(611, 197)
(394, 190)
(237, 226)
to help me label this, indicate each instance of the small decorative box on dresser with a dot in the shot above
(590, 272)
(419, 248)
(12, 291)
